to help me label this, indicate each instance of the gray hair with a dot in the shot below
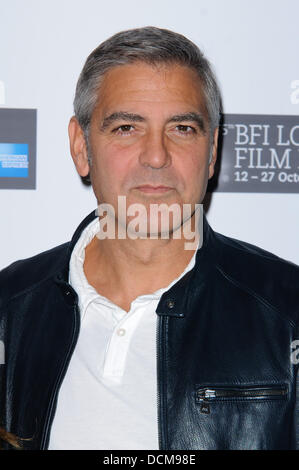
(150, 45)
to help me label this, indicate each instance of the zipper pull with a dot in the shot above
(203, 395)
(205, 407)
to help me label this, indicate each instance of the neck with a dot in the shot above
(123, 269)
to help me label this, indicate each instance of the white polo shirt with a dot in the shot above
(108, 398)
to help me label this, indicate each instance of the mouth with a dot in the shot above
(148, 188)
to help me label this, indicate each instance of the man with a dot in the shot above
(135, 342)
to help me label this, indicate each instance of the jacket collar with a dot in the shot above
(85, 222)
(175, 302)
(64, 272)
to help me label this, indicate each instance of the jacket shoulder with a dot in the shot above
(265, 275)
(25, 274)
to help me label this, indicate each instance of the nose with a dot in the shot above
(154, 152)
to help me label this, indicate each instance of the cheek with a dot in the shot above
(111, 168)
(193, 167)
(194, 173)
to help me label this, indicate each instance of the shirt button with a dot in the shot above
(121, 332)
(170, 303)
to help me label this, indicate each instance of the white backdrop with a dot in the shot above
(253, 46)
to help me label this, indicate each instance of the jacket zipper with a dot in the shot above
(51, 410)
(160, 361)
(205, 396)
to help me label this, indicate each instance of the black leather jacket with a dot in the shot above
(224, 334)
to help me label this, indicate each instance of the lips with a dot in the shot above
(148, 188)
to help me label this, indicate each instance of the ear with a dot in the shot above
(213, 153)
(78, 147)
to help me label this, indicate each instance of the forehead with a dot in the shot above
(140, 85)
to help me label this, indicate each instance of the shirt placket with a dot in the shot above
(118, 346)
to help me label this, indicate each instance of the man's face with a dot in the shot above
(149, 137)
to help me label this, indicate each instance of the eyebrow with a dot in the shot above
(125, 116)
(119, 116)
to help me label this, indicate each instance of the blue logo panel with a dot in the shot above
(14, 160)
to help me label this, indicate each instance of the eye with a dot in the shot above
(184, 129)
(124, 129)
